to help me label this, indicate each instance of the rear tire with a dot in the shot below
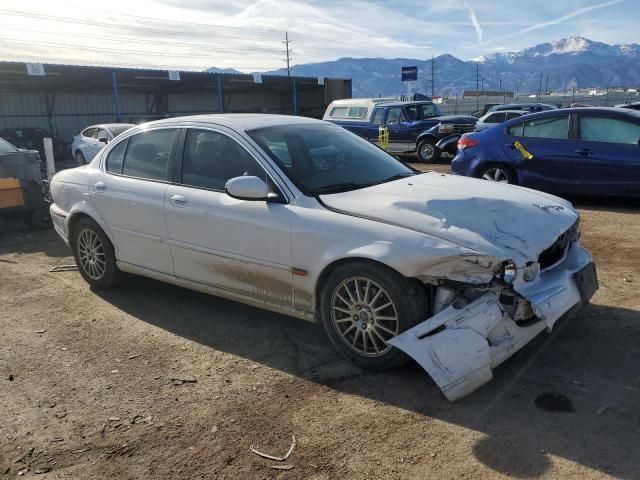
(428, 152)
(80, 160)
(40, 219)
(356, 320)
(496, 172)
(94, 255)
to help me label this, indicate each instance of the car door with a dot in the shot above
(87, 142)
(396, 123)
(129, 194)
(237, 245)
(373, 132)
(608, 160)
(547, 139)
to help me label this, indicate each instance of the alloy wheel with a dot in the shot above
(496, 175)
(91, 254)
(364, 316)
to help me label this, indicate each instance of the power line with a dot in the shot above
(131, 52)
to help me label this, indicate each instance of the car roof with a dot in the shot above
(241, 121)
(400, 103)
(520, 112)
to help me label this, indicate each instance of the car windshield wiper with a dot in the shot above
(398, 176)
(338, 187)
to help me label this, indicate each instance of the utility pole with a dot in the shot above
(546, 88)
(540, 87)
(477, 86)
(287, 52)
(433, 78)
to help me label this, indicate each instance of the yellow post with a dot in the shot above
(383, 137)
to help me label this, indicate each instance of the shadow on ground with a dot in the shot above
(581, 360)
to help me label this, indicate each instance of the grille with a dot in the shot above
(463, 128)
(555, 252)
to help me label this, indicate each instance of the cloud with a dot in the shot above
(474, 22)
(555, 21)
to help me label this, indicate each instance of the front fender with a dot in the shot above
(448, 141)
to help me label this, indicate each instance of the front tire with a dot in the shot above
(40, 219)
(428, 152)
(364, 305)
(94, 255)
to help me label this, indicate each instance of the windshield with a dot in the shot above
(421, 111)
(6, 147)
(327, 159)
(118, 129)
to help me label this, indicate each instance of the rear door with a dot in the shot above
(547, 139)
(129, 195)
(608, 160)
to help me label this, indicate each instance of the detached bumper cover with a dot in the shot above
(460, 347)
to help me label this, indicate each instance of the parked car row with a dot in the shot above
(92, 139)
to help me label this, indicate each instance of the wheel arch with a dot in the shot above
(76, 215)
(420, 289)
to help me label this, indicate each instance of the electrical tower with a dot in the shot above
(287, 42)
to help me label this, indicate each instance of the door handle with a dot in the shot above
(99, 186)
(583, 151)
(178, 200)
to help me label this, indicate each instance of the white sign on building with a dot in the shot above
(36, 69)
(174, 75)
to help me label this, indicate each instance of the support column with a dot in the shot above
(116, 95)
(295, 96)
(220, 95)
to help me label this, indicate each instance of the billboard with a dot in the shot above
(409, 74)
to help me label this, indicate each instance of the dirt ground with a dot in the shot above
(87, 390)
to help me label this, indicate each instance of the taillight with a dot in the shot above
(467, 142)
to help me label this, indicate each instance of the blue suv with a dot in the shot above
(579, 151)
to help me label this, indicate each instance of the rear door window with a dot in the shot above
(608, 130)
(148, 154)
(89, 132)
(115, 158)
(556, 127)
(496, 118)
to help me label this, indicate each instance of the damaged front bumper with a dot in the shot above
(460, 346)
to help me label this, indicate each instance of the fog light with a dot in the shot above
(530, 271)
(509, 272)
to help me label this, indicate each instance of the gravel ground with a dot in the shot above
(154, 381)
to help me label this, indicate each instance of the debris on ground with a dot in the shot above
(273, 457)
(554, 402)
(603, 409)
(82, 450)
(64, 268)
(181, 380)
(131, 357)
(41, 331)
(42, 470)
(282, 467)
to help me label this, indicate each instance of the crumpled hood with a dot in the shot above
(504, 221)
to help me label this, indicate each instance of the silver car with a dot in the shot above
(302, 217)
(92, 139)
(492, 119)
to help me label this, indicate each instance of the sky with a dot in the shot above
(248, 35)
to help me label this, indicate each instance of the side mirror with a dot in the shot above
(104, 140)
(247, 188)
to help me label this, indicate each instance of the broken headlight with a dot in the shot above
(508, 272)
(530, 271)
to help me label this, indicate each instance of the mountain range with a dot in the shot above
(574, 62)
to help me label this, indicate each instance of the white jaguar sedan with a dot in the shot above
(301, 217)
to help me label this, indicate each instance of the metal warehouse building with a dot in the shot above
(66, 98)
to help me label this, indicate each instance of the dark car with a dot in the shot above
(583, 151)
(401, 127)
(30, 138)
